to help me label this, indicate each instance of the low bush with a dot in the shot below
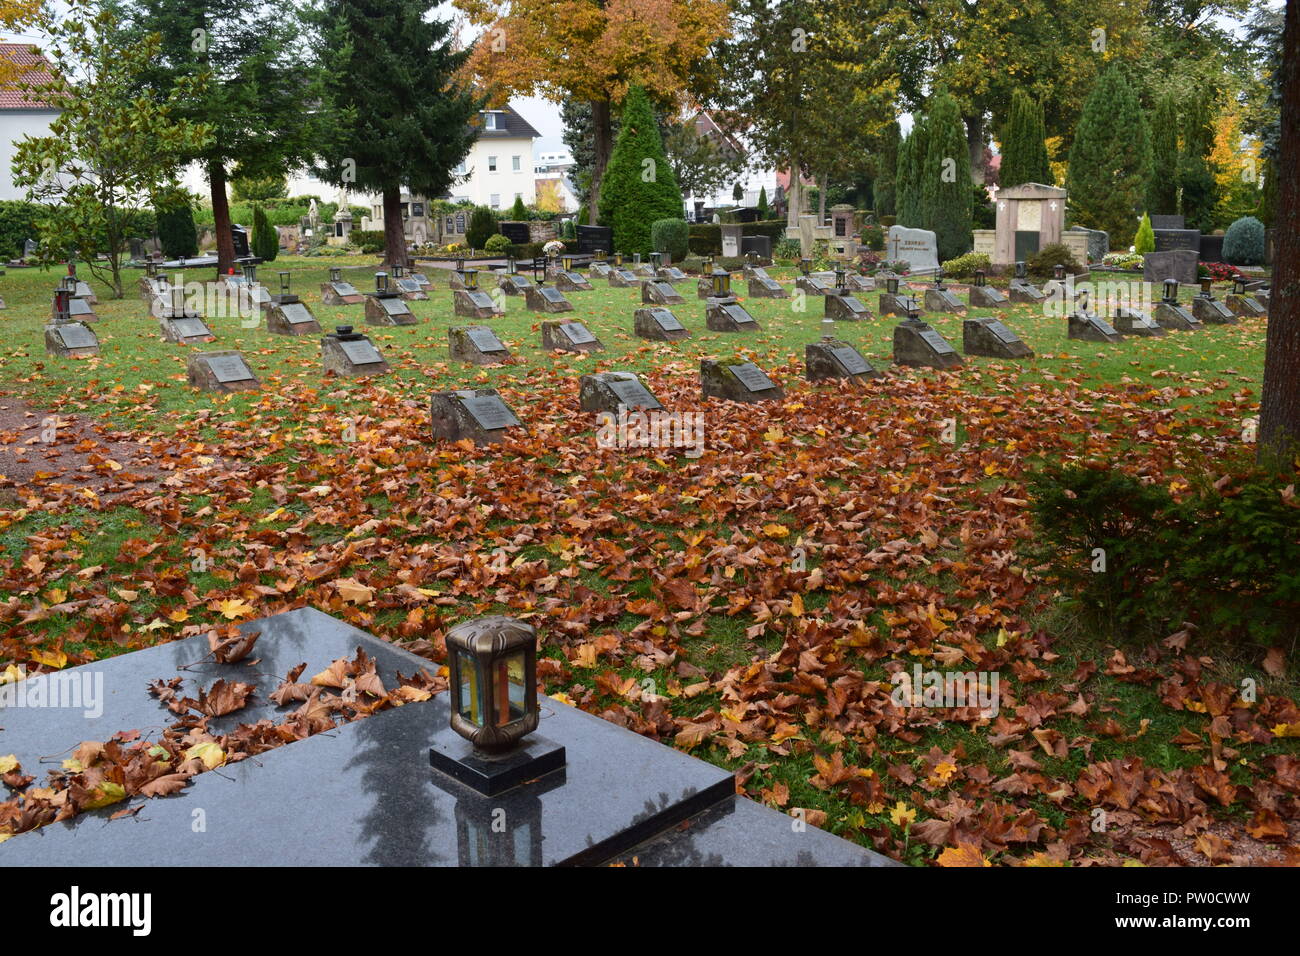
(1042, 264)
(369, 241)
(671, 236)
(1243, 243)
(965, 267)
(497, 244)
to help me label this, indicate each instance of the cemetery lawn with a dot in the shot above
(748, 605)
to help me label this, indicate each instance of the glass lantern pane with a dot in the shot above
(471, 699)
(509, 689)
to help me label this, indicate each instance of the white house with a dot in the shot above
(753, 179)
(19, 115)
(499, 167)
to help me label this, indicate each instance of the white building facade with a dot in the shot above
(19, 115)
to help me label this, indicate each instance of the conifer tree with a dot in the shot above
(1196, 173)
(639, 186)
(1024, 150)
(1110, 161)
(945, 184)
(1162, 187)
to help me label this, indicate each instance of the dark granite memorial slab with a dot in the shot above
(897, 303)
(1169, 315)
(1179, 264)
(855, 282)
(814, 285)
(741, 832)
(622, 279)
(340, 293)
(1212, 311)
(410, 290)
(1245, 306)
(600, 270)
(71, 340)
(843, 307)
(363, 793)
(476, 344)
(1168, 240)
(185, 330)
(655, 292)
(572, 282)
(513, 283)
(1089, 327)
(607, 391)
(992, 339)
(833, 359)
(475, 304)
(477, 414)
(388, 310)
(727, 315)
(671, 274)
(942, 300)
(916, 344)
(546, 298)
(256, 296)
(569, 336)
(987, 297)
(1132, 322)
(351, 357)
(659, 325)
(737, 381)
(1167, 222)
(220, 372)
(1021, 292)
(80, 311)
(291, 318)
(764, 287)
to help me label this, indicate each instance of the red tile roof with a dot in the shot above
(34, 70)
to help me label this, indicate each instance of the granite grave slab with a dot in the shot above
(659, 325)
(567, 335)
(225, 371)
(71, 340)
(833, 359)
(917, 344)
(728, 315)
(737, 381)
(477, 414)
(388, 309)
(608, 391)
(476, 344)
(658, 292)
(993, 339)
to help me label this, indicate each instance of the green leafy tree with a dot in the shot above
(111, 153)
(398, 116)
(1110, 161)
(482, 226)
(1243, 243)
(265, 243)
(177, 233)
(258, 93)
(1024, 146)
(639, 186)
(886, 183)
(701, 164)
(945, 183)
(764, 207)
(259, 189)
(911, 157)
(1145, 240)
(1162, 187)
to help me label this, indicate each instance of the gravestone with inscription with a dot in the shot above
(763, 286)
(77, 307)
(338, 292)
(1028, 217)
(350, 354)
(511, 281)
(474, 303)
(407, 286)
(939, 298)
(385, 306)
(567, 279)
(621, 277)
(71, 340)
(1262, 297)
(220, 372)
(600, 266)
(832, 359)
(659, 325)
(990, 337)
(186, 328)
(1208, 309)
(1169, 240)
(545, 298)
(896, 300)
(1179, 264)
(477, 414)
(1241, 304)
(1022, 291)
(659, 292)
(152, 284)
(916, 344)
(722, 312)
(476, 344)
(815, 283)
(917, 247)
(567, 335)
(737, 381)
(608, 391)
(842, 306)
(1087, 326)
(289, 315)
(1170, 315)
(985, 296)
(670, 273)
(1135, 322)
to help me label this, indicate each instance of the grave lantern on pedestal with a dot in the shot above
(62, 306)
(566, 263)
(336, 275)
(151, 269)
(618, 260)
(1238, 285)
(1020, 270)
(805, 266)
(398, 271)
(492, 664)
(460, 265)
(1058, 272)
(510, 265)
(1171, 291)
(539, 269)
(471, 279)
(980, 277)
(839, 280)
(891, 285)
(655, 259)
(250, 273)
(721, 281)
(381, 283)
(285, 294)
(1207, 290)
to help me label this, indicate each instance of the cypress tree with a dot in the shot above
(176, 232)
(1162, 187)
(1024, 150)
(1110, 161)
(639, 186)
(1195, 171)
(764, 208)
(945, 185)
(886, 184)
(265, 243)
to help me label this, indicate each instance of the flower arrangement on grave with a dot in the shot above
(899, 267)
(1218, 271)
(553, 248)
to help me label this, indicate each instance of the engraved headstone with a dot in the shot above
(546, 298)
(338, 292)
(606, 391)
(570, 281)
(1246, 306)
(916, 344)
(991, 338)
(71, 340)
(569, 336)
(350, 354)
(917, 247)
(659, 325)
(1132, 322)
(844, 307)
(1179, 264)
(655, 292)
(476, 344)
(477, 414)
(737, 381)
(727, 315)
(1211, 311)
(1090, 327)
(622, 278)
(388, 309)
(899, 302)
(987, 297)
(475, 304)
(942, 300)
(291, 318)
(1171, 315)
(185, 330)
(220, 372)
(833, 359)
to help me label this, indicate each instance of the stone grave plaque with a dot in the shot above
(1212, 311)
(752, 377)
(941, 300)
(660, 293)
(360, 351)
(726, 315)
(850, 359)
(1245, 306)
(485, 339)
(833, 359)
(1132, 322)
(229, 368)
(1177, 264)
(916, 344)
(1089, 327)
(81, 311)
(394, 307)
(986, 297)
(991, 338)
(1172, 316)
(190, 328)
(1022, 292)
(552, 294)
(577, 333)
(738, 315)
(344, 288)
(632, 394)
(764, 287)
(291, 318)
(481, 300)
(666, 320)
(659, 325)
(845, 308)
(296, 313)
(1002, 333)
(489, 412)
(76, 336)
(936, 341)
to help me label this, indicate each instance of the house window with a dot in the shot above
(496, 200)
(460, 168)
(514, 163)
(492, 164)
(491, 120)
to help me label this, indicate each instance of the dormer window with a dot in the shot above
(493, 120)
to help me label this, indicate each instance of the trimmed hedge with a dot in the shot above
(670, 236)
(706, 237)
(17, 225)
(369, 241)
(1243, 243)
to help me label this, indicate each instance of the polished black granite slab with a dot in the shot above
(364, 794)
(740, 832)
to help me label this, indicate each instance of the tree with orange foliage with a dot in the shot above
(593, 50)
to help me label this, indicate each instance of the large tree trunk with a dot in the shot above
(1279, 416)
(221, 218)
(975, 141)
(394, 231)
(602, 130)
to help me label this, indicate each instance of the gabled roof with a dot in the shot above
(34, 69)
(516, 126)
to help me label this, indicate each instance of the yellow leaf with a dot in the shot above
(179, 615)
(8, 762)
(50, 658)
(796, 606)
(11, 675)
(105, 794)
(235, 607)
(211, 755)
(775, 530)
(963, 854)
(901, 815)
(55, 595)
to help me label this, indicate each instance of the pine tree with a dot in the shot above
(886, 184)
(764, 207)
(911, 156)
(1110, 161)
(945, 184)
(176, 231)
(1024, 150)
(639, 185)
(397, 118)
(519, 212)
(1162, 187)
(1196, 173)
(1145, 240)
(265, 243)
